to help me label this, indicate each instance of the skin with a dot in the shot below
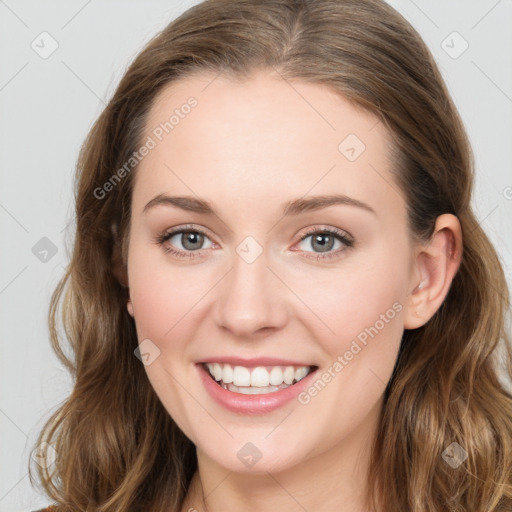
(248, 148)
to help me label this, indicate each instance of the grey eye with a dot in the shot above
(189, 240)
(320, 242)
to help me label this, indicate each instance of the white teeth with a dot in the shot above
(300, 373)
(241, 376)
(248, 390)
(227, 374)
(217, 371)
(276, 376)
(259, 378)
(289, 374)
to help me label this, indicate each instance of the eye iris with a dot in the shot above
(326, 242)
(192, 240)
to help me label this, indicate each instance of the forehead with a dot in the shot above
(262, 138)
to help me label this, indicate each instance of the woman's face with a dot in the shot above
(287, 248)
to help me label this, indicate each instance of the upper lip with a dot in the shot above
(257, 361)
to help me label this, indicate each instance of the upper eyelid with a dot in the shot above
(183, 229)
(331, 230)
(306, 231)
(309, 231)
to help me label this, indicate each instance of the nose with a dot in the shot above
(251, 299)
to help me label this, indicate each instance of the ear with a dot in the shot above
(118, 267)
(435, 266)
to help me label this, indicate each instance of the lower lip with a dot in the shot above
(252, 404)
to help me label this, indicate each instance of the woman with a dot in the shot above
(253, 150)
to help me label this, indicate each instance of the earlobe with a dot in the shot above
(129, 307)
(436, 264)
(118, 267)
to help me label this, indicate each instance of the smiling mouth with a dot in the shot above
(256, 381)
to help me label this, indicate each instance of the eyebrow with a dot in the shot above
(295, 207)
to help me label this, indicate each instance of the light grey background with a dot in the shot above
(47, 106)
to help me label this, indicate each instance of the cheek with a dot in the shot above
(164, 294)
(154, 303)
(163, 298)
(359, 303)
(363, 314)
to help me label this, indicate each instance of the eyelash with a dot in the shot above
(339, 235)
(336, 233)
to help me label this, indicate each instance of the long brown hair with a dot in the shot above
(117, 448)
